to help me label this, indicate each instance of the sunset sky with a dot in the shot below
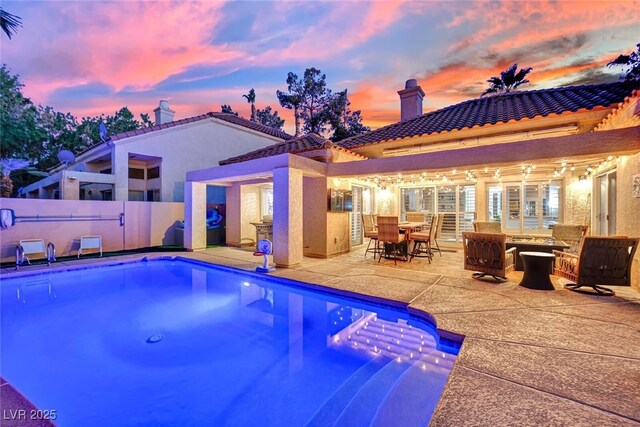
(90, 57)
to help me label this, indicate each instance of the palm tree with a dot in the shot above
(632, 62)
(509, 80)
(9, 23)
(251, 99)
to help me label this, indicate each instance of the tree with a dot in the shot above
(509, 80)
(251, 99)
(292, 99)
(121, 121)
(227, 109)
(267, 118)
(9, 166)
(344, 122)
(632, 62)
(18, 117)
(145, 120)
(308, 97)
(9, 23)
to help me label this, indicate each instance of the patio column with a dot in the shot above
(120, 168)
(234, 215)
(287, 216)
(69, 188)
(195, 215)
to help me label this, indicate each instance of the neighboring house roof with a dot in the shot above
(301, 144)
(498, 109)
(231, 118)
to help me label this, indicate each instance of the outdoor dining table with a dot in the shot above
(408, 227)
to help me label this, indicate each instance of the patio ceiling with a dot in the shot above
(580, 149)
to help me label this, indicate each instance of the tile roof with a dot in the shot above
(301, 144)
(498, 109)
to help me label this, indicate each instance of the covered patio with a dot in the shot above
(527, 186)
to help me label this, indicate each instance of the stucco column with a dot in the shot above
(69, 188)
(234, 217)
(195, 215)
(120, 168)
(287, 216)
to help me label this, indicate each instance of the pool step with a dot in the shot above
(365, 402)
(412, 391)
(333, 407)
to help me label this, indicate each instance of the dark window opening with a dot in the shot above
(153, 172)
(135, 173)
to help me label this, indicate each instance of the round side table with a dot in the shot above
(536, 270)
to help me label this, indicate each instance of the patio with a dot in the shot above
(529, 357)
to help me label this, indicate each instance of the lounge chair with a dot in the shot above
(570, 234)
(600, 261)
(29, 249)
(487, 227)
(92, 243)
(486, 254)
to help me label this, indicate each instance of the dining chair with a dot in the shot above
(371, 233)
(389, 236)
(422, 241)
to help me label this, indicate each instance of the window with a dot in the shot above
(135, 173)
(529, 208)
(267, 201)
(106, 171)
(136, 196)
(456, 202)
(153, 195)
(107, 195)
(153, 172)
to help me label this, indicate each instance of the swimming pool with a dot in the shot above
(180, 343)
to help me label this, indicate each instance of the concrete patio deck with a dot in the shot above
(528, 358)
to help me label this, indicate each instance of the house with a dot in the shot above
(527, 159)
(150, 164)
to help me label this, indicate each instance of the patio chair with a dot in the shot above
(34, 248)
(570, 234)
(371, 233)
(91, 243)
(422, 241)
(486, 254)
(487, 227)
(389, 235)
(415, 217)
(600, 261)
(437, 230)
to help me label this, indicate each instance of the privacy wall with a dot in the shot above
(122, 225)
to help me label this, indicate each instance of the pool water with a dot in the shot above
(178, 343)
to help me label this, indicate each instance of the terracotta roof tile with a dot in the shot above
(301, 144)
(498, 109)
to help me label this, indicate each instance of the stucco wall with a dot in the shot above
(184, 148)
(250, 201)
(628, 208)
(146, 224)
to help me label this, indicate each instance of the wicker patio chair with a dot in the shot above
(570, 234)
(422, 241)
(486, 254)
(487, 227)
(600, 261)
(370, 233)
(415, 217)
(389, 235)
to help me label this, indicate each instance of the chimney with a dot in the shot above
(163, 113)
(410, 100)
